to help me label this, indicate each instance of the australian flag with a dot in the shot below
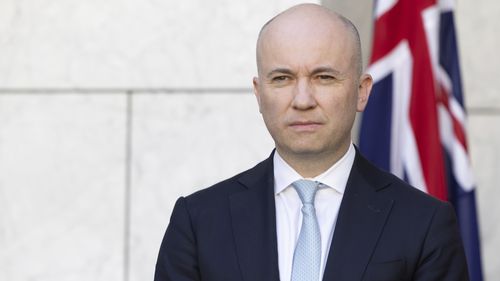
(415, 122)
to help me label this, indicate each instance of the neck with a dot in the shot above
(310, 165)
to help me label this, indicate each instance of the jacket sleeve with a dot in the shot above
(443, 257)
(177, 259)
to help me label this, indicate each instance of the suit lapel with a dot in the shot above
(360, 221)
(254, 224)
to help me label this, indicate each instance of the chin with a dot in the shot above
(304, 150)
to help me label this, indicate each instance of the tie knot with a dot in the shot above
(306, 190)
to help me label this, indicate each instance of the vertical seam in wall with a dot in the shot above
(128, 178)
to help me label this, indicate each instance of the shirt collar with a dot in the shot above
(335, 177)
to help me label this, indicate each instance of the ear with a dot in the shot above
(365, 87)
(256, 91)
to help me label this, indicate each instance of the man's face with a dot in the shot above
(308, 89)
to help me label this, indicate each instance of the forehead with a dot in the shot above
(305, 40)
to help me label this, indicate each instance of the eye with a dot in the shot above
(281, 78)
(325, 77)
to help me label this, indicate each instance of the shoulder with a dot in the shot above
(412, 211)
(390, 186)
(221, 191)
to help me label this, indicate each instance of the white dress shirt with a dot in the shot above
(288, 205)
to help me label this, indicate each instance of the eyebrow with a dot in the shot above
(280, 71)
(326, 69)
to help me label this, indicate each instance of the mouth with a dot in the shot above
(305, 126)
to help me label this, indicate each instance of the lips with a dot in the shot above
(305, 125)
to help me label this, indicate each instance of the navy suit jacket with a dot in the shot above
(386, 230)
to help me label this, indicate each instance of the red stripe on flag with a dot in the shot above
(404, 22)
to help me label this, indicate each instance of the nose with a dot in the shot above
(303, 97)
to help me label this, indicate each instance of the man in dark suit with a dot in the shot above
(315, 209)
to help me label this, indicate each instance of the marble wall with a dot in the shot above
(62, 186)
(111, 110)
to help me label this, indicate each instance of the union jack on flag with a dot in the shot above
(414, 124)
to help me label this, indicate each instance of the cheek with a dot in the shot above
(340, 109)
(272, 104)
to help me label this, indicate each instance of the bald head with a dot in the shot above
(307, 20)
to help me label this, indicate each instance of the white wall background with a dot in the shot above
(110, 110)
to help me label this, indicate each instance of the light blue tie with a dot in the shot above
(307, 255)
